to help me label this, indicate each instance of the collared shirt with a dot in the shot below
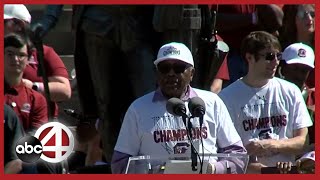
(29, 105)
(158, 96)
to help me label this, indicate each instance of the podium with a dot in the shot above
(182, 163)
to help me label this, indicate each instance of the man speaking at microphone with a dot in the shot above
(150, 129)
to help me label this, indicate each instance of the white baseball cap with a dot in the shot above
(310, 155)
(174, 50)
(299, 53)
(17, 11)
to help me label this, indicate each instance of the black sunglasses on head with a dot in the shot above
(178, 68)
(271, 56)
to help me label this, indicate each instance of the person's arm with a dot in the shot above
(255, 168)
(13, 131)
(306, 164)
(58, 82)
(50, 18)
(222, 74)
(216, 85)
(119, 162)
(13, 167)
(235, 165)
(60, 88)
(293, 145)
(128, 142)
(39, 113)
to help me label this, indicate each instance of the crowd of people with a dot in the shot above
(252, 65)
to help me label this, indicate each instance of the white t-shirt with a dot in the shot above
(270, 112)
(148, 129)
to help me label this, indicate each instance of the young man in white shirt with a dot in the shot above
(269, 113)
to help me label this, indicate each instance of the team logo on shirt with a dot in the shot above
(181, 148)
(32, 60)
(26, 107)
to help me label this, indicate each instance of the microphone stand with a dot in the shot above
(37, 41)
(188, 126)
(201, 160)
(194, 162)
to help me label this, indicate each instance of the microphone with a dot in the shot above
(176, 107)
(197, 107)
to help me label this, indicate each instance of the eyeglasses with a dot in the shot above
(305, 14)
(12, 55)
(178, 68)
(271, 56)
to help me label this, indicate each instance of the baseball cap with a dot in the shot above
(299, 53)
(310, 155)
(174, 50)
(18, 11)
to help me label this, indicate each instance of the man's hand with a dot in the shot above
(306, 166)
(284, 167)
(27, 83)
(13, 167)
(264, 147)
(211, 169)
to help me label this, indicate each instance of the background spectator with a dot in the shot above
(299, 26)
(13, 131)
(17, 19)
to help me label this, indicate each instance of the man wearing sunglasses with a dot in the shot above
(147, 118)
(269, 113)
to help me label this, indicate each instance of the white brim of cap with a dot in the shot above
(156, 62)
(11, 17)
(7, 17)
(299, 61)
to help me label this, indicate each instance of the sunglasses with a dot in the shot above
(305, 14)
(271, 56)
(178, 68)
